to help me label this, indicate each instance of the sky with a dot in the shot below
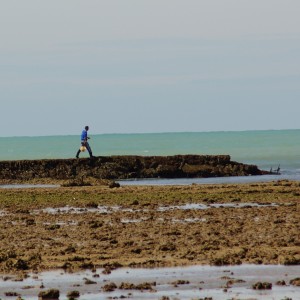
(132, 66)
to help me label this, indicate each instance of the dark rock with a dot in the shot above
(89, 281)
(49, 294)
(262, 286)
(11, 294)
(142, 286)
(167, 247)
(295, 282)
(180, 282)
(291, 261)
(281, 283)
(125, 167)
(73, 295)
(114, 184)
(110, 287)
(21, 264)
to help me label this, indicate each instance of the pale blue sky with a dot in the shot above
(124, 66)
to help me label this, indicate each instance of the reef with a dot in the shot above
(127, 167)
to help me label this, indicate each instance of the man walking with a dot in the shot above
(84, 142)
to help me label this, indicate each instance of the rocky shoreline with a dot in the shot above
(127, 167)
(102, 230)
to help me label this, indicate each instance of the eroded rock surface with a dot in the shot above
(126, 167)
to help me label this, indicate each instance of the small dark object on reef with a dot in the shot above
(262, 286)
(295, 282)
(281, 283)
(114, 184)
(110, 287)
(11, 294)
(89, 281)
(49, 294)
(73, 295)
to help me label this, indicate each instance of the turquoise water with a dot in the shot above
(264, 148)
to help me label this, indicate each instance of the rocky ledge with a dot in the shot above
(126, 167)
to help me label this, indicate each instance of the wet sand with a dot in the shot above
(81, 228)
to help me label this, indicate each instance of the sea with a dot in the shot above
(268, 149)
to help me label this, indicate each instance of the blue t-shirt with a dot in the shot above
(84, 136)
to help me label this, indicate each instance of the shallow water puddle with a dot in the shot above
(28, 186)
(189, 220)
(62, 223)
(126, 221)
(117, 209)
(199, 206)
(112, 209)
(176, 283)
(77, 210)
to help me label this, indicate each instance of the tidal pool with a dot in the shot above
(192, 282)
(27, 186)
(107, 209)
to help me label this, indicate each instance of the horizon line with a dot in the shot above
(145, 133)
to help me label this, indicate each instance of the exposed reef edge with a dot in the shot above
(127, 167)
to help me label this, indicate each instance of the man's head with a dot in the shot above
(86, 128)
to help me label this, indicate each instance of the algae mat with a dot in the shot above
(89, 227)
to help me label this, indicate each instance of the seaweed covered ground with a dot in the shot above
(149, 226)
